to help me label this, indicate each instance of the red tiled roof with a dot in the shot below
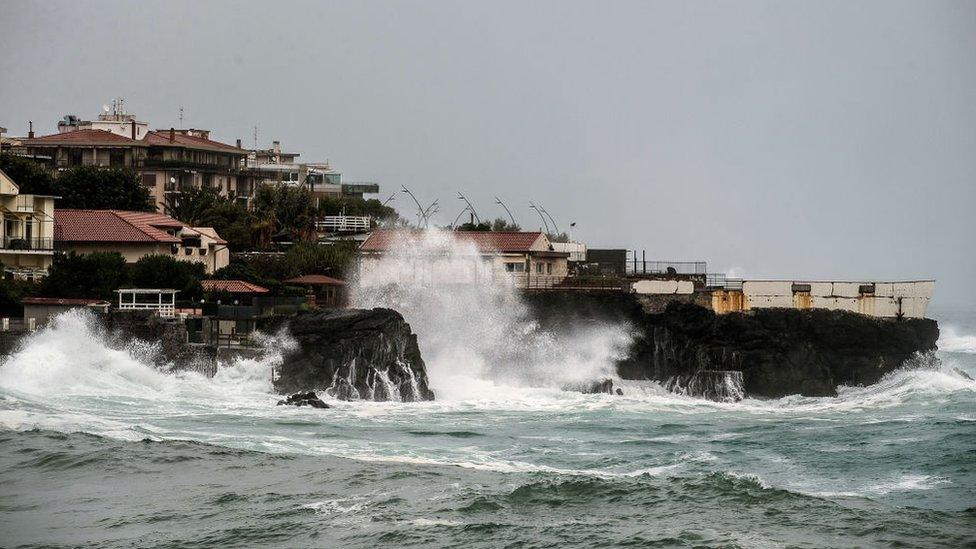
(113, 226)
(232, 287)
(83, 138)
(486, 241)
(161, 139)
(60, 301)
(316, 280)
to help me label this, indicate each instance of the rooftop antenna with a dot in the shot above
(555, 228)
(181, 117)
(510, 216)
(544, 222)
(461, 197)
(255, 137)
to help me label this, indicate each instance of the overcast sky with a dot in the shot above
(778, 139)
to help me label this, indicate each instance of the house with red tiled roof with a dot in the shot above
(168, 161)
(526, 258)
(135, 235)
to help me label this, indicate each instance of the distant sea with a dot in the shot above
(98, 449)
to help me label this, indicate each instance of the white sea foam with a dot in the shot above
(951, 340)
(474, 330)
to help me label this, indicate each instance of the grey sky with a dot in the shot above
(782, 139)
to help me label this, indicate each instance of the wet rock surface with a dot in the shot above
(352, 354)
(303, 399)
(778, 351)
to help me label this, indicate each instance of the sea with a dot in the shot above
(100, 449)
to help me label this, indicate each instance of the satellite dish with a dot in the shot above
(105, 109)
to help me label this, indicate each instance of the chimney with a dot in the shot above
(172, 135)
(30, 132)
(238, 143)
(133, 128)
(276, 146)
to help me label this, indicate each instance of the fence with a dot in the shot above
(720, 280)
(343, 224)
(637, 266)
(21, 243)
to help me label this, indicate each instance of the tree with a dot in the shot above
(500, 224)
(90, 187)
(163, 271)
(191, 205)
(96, 275)
(354, 206)
(284, 208)
(30, 176)
(205, 207)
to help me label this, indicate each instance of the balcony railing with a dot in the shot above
(342, 224)
(190, 165)
(27, 244)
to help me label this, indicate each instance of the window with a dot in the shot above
(149, 179)
(539, 267)
(74, 157)
(116, 158)
(203, 251)
(548, 268)
(515, 267)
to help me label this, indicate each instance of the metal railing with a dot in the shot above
(21, 243)
(720, 280)
(163, 310)
(636, 265)
(343, 224)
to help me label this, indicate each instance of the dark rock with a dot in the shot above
(718, 385)
(592, 387)
(352, 354)
(778, 351)
(303, 399)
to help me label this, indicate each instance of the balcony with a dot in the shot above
(159, 163)
(16, 243)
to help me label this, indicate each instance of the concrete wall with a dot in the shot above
(879, 299)
(683, 287)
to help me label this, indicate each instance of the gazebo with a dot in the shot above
(323, 291)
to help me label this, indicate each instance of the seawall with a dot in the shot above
(778, 351)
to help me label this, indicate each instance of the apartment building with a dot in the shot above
(27, 232)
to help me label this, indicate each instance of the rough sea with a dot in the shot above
(98, 449)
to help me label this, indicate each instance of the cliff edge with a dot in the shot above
(777, 351)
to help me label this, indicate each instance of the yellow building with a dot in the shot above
(27, 232)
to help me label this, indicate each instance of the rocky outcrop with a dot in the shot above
(352, 354)
(776, 352)
(303, 399)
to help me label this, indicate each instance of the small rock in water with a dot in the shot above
(595, 387)
(303, 399)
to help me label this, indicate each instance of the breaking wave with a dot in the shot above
(474, 330)
(952, 341)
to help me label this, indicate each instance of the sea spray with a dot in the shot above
(472, 324)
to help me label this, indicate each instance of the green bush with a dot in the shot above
(96, 275)
(163, 271)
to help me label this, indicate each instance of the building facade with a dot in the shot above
(526, 259)
(27, 232)
(135, 235)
